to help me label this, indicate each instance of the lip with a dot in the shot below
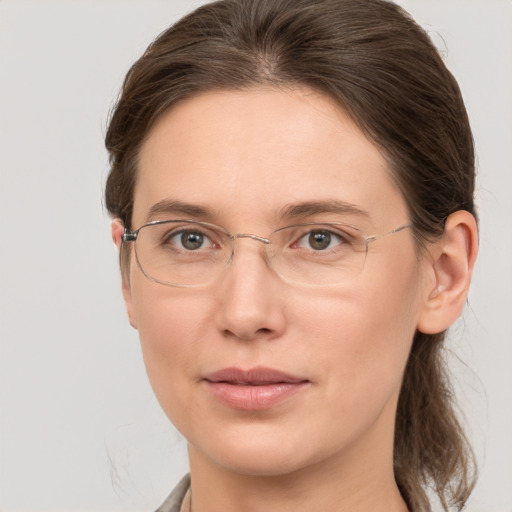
(255, 389)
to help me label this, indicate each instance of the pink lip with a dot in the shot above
(255, 389)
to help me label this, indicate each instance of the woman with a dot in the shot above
(292, 191)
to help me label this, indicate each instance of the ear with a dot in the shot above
(117, 233)
(453, 259)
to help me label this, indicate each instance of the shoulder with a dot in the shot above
(175, 499)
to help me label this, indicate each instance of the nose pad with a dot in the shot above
(250, 307)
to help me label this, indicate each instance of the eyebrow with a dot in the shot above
(170, 207)
(292, 211)
(308, 208)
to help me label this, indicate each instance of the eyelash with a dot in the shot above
(331, 235)
(172, 238)
(176, 234)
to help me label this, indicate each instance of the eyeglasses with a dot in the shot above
(189, 253)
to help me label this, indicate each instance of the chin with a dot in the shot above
(262, 463)
(260, 453)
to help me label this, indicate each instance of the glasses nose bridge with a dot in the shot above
(258, 238)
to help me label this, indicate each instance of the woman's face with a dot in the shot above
(262, 376)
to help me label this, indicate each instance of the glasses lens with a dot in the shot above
(318, 254)
(182, 253)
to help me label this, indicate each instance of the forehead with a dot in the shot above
(249, 154)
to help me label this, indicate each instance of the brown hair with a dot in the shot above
(382, 68)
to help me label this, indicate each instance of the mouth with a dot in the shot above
(254, 389)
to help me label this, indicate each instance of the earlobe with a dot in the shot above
(454, 257)
(117, 229)
(128, 302)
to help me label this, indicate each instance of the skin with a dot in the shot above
(245, 155)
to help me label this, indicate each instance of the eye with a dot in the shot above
(189, 240)
(320, 240)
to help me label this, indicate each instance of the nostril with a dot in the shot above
(262, 333)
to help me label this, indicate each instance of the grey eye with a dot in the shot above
(189, 240)
(319, 240)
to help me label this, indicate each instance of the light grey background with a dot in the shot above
(80, 429)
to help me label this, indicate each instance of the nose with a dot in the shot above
(251, 296)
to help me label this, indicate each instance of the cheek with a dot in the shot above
(362, 340)
(170, 323)
(358, 338)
